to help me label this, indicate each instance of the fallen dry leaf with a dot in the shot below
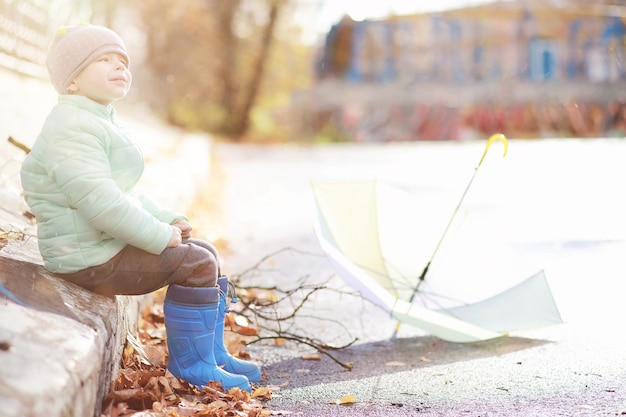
(262, 393)
(243, 355)
(240, 325)
(247, 331)
(260, 296)
(218, 405)
(345, 400)
(241, 321)
(395, 363)
(239, 395)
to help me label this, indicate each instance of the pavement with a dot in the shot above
(554, 205)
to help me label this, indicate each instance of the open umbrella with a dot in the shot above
(372, 237)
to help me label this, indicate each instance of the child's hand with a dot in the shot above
(185, 228)
(176, 238)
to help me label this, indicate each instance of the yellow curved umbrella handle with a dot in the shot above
(494, 137)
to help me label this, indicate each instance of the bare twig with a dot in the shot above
(19, 144)
(315, 346)
(280, 316)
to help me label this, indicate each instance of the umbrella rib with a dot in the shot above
(424, 295)
(374, 272)
(405, 279)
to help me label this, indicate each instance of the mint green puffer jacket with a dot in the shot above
(78, 181)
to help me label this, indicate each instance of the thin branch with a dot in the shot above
(19, 144)
(280, 317)
(317, 347)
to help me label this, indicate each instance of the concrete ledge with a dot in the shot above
(60, 352)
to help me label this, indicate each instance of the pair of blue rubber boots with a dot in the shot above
(194, 322)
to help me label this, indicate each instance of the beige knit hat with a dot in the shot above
(75, 47)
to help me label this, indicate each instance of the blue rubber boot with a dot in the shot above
(190, 322)
(222, 356)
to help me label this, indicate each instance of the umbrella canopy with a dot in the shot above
(370, 232)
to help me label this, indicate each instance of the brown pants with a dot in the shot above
(133, 271)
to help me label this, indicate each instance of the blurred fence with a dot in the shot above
(336, 111)
(26, 27)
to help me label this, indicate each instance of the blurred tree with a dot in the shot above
(238, 121)
(227, 53)
(209, 59)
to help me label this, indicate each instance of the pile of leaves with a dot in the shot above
(143, 386)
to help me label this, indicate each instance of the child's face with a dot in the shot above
(105, 80)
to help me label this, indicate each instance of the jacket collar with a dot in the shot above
(88, 104)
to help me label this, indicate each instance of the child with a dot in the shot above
(94, 231)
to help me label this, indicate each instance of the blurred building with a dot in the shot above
(527, 68)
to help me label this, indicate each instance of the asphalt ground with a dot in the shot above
(554, 205)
